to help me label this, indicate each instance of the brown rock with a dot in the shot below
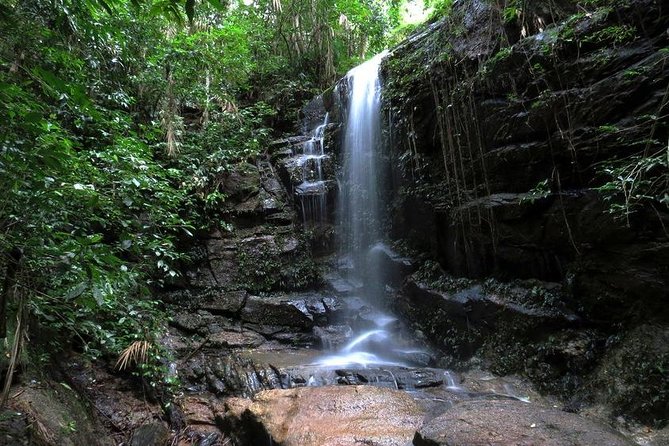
(513, 423)
(235, 339)
(329, 416)
(197, 410)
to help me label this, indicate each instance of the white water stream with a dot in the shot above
(359, 223)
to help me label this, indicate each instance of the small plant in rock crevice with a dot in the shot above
(637, 182)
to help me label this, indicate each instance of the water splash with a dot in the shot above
(375, 335)
(451, 384)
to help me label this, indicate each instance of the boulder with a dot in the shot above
(150, 434)
(277, 311)
(460, 317)
(394, 267)
(225, 302)
(242, 183)
(328, 416)
(513, 423)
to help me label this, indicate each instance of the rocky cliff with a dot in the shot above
(508, 123)
(527, 142)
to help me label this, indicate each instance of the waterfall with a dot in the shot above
(358, 216)
(312, 192)
(375, 342)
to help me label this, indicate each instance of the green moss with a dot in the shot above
(614, 34)
(608, 129)
(267, 268)
(635, 375)
(431, 274)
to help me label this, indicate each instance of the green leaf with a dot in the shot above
(98, 295)
(76, 291)
(218, 4)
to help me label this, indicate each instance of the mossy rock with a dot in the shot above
(54, 415)
(633, 377)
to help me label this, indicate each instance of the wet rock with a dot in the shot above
(328, 416)
(311, 305)
(513, 423)
(367, 318)
(461, 319)
(416, 357)
(284, 143)
(225, 302)
(280, 219)
(269, 331)
(294, 339)
(235, 375)
(235, 339)
(280, 154)
(269, 181)
(333, 337)
(394, 267)
(341, 285)
(151, 434)
(538, 213)
(190, 322)
(242, 183)
(333, 306)
(399, 378)
(313, 113)
(276, 311)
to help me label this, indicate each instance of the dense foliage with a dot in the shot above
(119, 118)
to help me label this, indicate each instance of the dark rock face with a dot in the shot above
(505, 137)
(509, 422)
(634, 372)
(277, 311)
(464, 318)
(149, 435)
(508, 144)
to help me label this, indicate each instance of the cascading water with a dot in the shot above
(312, 192)
(358, 213)
(359, 224)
